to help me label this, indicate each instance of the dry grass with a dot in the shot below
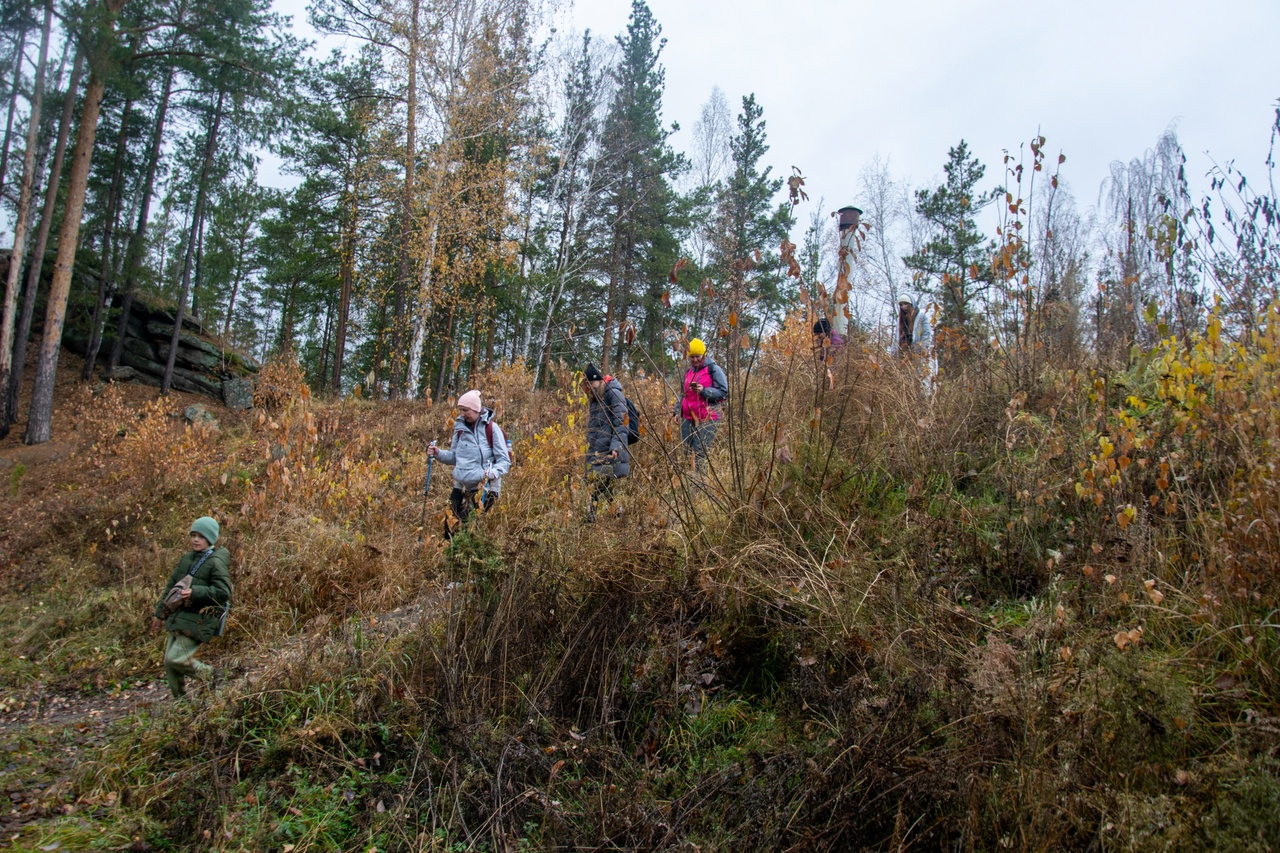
(887, 618)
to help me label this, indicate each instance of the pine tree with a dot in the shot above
(39, 427)
(638, 210)
(751, 227)
(9, 312)
(36, 264)
(954, 264)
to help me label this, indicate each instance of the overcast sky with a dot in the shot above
(843, 80)
(1101, 79)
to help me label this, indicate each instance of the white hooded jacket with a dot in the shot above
(921, 331)
(473, 460)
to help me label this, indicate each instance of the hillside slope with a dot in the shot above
(891, 621)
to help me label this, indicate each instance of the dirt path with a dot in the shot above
(44, 736)
(56, 709)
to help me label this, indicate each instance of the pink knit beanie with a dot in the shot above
(470, 400)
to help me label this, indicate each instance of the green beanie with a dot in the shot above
(206, 527)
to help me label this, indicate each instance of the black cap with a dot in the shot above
(593, 373)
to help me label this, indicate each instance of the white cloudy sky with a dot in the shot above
(1101, 79)
(843, 80)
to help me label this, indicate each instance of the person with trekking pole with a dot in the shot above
(426, 490)
(608, 458)
(194, 606)
(480, 458)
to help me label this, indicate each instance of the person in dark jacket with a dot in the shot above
(479, 455)
(827, 343)
(196, 618)
(698, 407)
(608, 458)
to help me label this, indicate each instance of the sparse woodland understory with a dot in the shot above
(1024, 597)
(979, 617)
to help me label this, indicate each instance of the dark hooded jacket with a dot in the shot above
(607, 431)
(210, 592)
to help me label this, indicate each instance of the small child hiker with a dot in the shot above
(194, 605)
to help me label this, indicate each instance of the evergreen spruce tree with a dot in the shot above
(750, 225)
(954, 264)
(641, 246)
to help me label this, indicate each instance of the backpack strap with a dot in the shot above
(195, 567)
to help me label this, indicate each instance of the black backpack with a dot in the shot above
(633, 421)
(633, 418)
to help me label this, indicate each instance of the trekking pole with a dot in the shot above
(431, 461)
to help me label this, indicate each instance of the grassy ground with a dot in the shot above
(899, 626)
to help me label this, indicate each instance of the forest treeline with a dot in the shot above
(473, 189)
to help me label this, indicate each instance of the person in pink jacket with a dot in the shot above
(703, 390)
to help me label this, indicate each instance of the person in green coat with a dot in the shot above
(198, 612)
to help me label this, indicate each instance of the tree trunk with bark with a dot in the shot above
(445, 355)
(197, 218)
(406, 208)
(13, 106)
(423, 312)
(35, 267)
(39, 422)
(22, 213)
(106, 277)
(236, 281)
(347, 279)
(137, 242)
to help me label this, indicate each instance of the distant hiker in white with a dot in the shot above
(915, 338)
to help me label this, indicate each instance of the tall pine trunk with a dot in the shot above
(35, 267)
(20, 225)
(445, 355)
(137, 242)
(236, 281)
(13, 105)
(198, 277)
(39, 422)
(197, 220)
(106, 276)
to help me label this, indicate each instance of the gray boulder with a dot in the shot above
(140, 348)
(120, 374)
(163, 332)
(237, 394)
(247, 362)
(197, 358)
(200, 416)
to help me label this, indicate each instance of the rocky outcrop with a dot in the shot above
(200, 365)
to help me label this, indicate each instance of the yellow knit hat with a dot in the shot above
(697, 347)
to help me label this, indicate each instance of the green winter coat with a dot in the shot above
(210, 592)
